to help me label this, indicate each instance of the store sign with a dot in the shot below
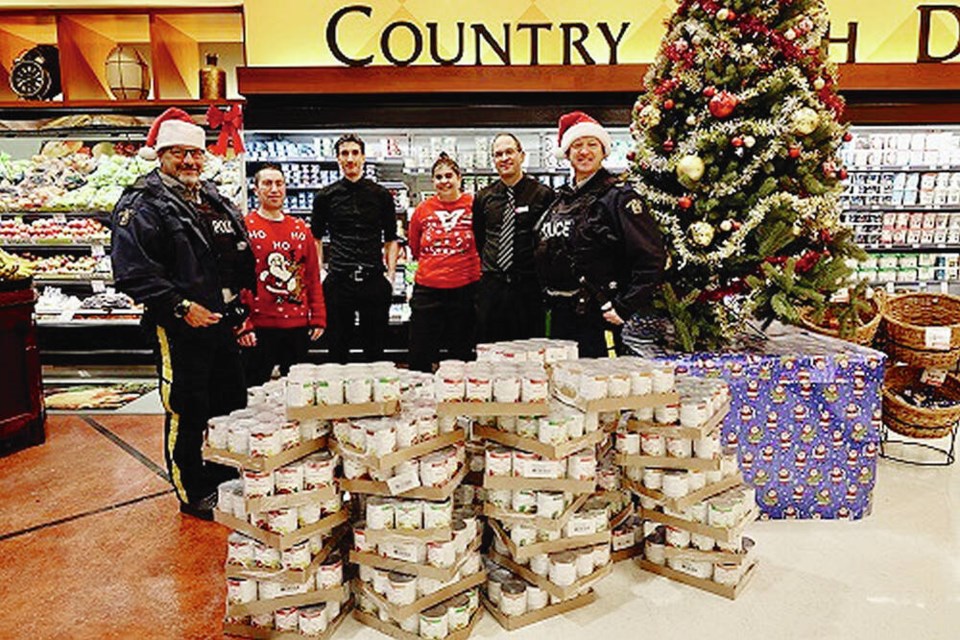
(306, 33)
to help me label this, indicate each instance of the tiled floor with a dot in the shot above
(92, 546)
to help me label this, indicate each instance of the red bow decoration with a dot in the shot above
(230, 123)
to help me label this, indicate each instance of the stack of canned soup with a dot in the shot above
(310, 385)
(722, 511)
(260, 572)
(505, 382)
(535, 350)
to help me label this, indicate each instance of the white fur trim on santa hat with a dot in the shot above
(584, 129)
(175, 133)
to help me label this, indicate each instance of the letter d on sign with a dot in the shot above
(926, 11)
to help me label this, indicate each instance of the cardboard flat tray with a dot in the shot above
(222, 456)
(246, 631)
(541, 581)
(440, 534)
(617, 404)
(337, 594)
(718, 533)
(481, 409)
(436, 494)
(278, 541)
(563, 544)
(390, 460)
(692, 498)
(289, 576)
(705, 556)
(411, 568)
(549, 524)
(512, 623)
(553, 452)
(676, 431)
(626, 554)
(731, 592)
(270, 503)
(399, 613)
(515, 483)
(666, 462)
(333, 411)
(394, 631)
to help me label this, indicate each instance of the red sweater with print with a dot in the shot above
(442, 241)
(289, 293)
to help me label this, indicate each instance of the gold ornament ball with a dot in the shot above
(690, 167)
(805, 121)
(127, 73)
(702, 233)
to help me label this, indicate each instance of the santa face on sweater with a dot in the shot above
(282, 279)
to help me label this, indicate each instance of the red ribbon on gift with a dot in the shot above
(230, 123)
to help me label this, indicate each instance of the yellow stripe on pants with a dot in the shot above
(166, 381)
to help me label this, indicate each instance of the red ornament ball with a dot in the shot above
(736, 141)
(685, 202)
(847, 137)
(731, 15)
(794, 152)
(669, 104)
(722, 104)
(709, 92)
(669, 145)
(631, 155)
(842, 174)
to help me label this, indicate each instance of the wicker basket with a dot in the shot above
(906, 320)
(917, 422)
(862, 335)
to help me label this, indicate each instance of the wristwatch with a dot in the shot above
(182, 309)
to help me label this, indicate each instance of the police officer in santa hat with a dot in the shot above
(599, 255)
(181, 249)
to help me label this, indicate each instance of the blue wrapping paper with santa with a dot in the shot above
(805, 419)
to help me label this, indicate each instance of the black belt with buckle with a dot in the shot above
(357, 274)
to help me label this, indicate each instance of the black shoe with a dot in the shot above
(202, 509)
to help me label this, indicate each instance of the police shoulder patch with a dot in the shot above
(636, 206)
(124, 217)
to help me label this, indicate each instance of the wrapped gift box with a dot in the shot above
(805, 419)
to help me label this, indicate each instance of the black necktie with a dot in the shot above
(505, 255)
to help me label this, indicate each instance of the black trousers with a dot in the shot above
(441, 318)
(345, 299)
(509, 308)
(282, 347)
(200, 377)
(586, 327)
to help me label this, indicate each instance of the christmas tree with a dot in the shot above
(736, 157)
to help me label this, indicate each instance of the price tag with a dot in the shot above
(99, 286)
(580, 528)
(403, 483)
(841, 296)
(66, 315)
(59, 218)
(937, 338)
(97, 251)
(540, 469)
(933, 377)
(403, 551)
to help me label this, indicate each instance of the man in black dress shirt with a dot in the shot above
(360, 217)
(509, 304)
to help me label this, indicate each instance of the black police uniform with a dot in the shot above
(166, 250)
(597, 244)
(360, 217)
(509, 303)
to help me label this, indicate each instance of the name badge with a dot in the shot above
(522, 209)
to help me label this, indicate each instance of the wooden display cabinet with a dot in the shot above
(171, 41)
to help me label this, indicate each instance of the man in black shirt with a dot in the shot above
(360, 217)
(509, 304)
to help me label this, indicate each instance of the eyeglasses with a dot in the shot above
(180, 153)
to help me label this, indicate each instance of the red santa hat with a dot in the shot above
(578, 124)
(173, 127)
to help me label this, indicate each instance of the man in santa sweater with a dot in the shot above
(287, 310)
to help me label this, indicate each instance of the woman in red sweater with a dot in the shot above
(287, 310)
(441, 239)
